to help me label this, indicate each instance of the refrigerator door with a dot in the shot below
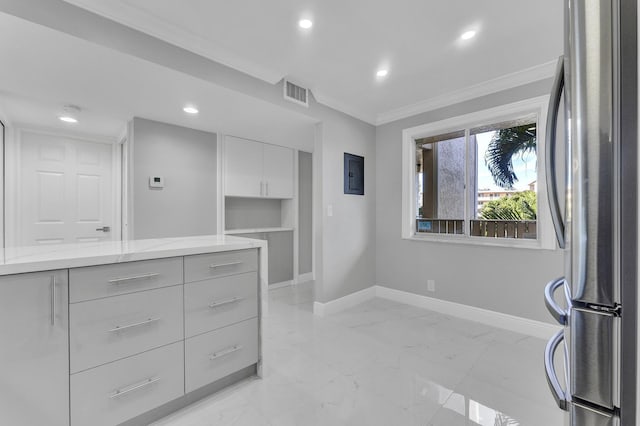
(591, 134)
(593, 357)
(551, 165)
(581, 415)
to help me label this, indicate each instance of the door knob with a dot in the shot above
(104, 229)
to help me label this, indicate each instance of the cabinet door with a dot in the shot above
(278, 171)
(34, 354)
(243, 167)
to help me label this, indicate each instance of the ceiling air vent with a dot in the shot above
(295, 93)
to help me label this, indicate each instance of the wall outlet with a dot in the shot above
(431, 285)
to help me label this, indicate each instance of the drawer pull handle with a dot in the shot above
(225, 302)
(120, 392)
(53, 299)
(138, 324)
(222, 265)
(225, 352)
(133, 278)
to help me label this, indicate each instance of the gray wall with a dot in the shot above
(345, 251)
(242, 213)
(305, 212)
(506, 280)
(187, 160)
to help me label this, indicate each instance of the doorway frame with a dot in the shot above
(12, 177)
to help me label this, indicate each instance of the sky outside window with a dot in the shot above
(524, 166)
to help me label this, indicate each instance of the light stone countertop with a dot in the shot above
(62, 256)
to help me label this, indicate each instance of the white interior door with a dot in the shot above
(65, 190)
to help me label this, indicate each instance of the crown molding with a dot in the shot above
(509, 81)
(127, 14)
(140, 20)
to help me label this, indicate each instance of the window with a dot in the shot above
(474, 178)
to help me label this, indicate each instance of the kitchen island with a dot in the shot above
(126, 332)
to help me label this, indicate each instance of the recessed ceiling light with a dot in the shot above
(67, 119)
(382, 73)
(69, 114)
(305, 23)
(468, 35)
(190, 110)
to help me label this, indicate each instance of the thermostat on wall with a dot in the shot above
(156, 181)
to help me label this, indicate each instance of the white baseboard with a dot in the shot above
(322, 309)
(484, 316)
(521, 325)
(281, 284)
(303, 278)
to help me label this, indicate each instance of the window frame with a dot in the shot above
(534, 106)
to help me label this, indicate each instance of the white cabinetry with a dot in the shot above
(243, 167)
(278, 171)
(103, 344)
(255, 169)
(34, 353)
(118, 391)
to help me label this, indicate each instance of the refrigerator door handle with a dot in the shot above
(554, 309)
(550, 152)
(552, 378)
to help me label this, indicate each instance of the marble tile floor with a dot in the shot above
(382, 363)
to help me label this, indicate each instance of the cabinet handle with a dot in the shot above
(138, 324)
(222, 265)
(52, 286)
(225, 302)
(266, 189)
(123, 391)
(261, 188)
(133, 278)
(224, 352)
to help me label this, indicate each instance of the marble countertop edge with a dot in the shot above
(62, 256)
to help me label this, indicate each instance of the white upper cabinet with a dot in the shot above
(243, 167)
(278, 172)
(254, 169)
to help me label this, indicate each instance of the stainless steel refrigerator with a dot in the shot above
(598, 223)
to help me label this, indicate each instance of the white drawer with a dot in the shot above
(94, 282)
(219, 302)
(204, 266)
(113, 393)
(214, 355)
(105, 330)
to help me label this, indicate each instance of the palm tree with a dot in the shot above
(503, 146)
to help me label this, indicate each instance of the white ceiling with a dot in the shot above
(417, 40)
(47, 69)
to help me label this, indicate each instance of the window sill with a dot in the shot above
(481, 241)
